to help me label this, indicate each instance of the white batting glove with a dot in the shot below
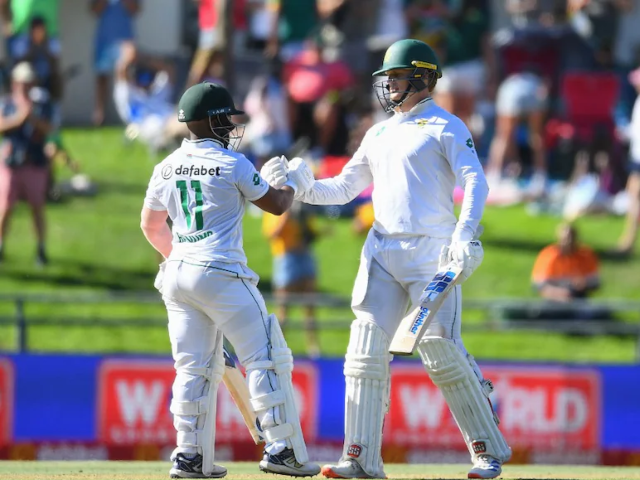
(465, 255)
(275, 171)
(159, 281)
(300, 178)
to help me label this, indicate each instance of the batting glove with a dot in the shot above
(275, 171)
(301, 177)
(465, 255)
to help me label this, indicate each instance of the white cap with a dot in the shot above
(23, 72)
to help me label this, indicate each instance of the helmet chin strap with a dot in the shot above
(418, 85)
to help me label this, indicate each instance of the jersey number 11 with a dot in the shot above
(184, 199)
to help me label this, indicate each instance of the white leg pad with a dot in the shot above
(203, 438)
(286, 423)
(452, 373)
(367, 377)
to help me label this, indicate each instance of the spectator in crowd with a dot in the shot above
(142, 94)
(46, 65)
(115, 29)
(25, 123)
(316, 89)
(628, 238)
(210, 42)
(293, 21)
(268, 132)
(18, 15)
(566, 270)
(294, 266)
(459, 32)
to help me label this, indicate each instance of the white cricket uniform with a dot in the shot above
(207, 285)
(414, 160)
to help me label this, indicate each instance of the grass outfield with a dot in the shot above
(159, 470)
(96, 246)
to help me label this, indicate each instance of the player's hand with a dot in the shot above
(465, 255)
(275, 171)
(301, 177)
(159, 281)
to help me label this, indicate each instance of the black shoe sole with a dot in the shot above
(266, 470)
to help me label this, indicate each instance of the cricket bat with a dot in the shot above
(413, 326)
(237, 386)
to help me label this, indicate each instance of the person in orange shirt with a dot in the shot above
(294, 267)
(566, 270)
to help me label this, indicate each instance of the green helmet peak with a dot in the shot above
(410, 53)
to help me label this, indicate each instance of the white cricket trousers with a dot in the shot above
(200, 299)
(394, 270)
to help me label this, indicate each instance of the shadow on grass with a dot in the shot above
(536, 246)
(65, 273)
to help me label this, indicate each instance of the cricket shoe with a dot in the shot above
(285, 463)
(485, 466)
(184, 467)
(346, 469)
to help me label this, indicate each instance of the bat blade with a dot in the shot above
(413, 326)
(235, 382)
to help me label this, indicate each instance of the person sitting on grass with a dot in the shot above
(566, 270)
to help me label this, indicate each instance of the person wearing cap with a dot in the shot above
(25, 122)
(209, 290)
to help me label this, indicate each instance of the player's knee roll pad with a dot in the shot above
(204, 408)
(366, 370)
(283, 422)
(452, 373)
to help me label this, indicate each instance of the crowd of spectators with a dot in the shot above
(547, 87)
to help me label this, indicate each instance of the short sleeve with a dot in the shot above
(542, 269)
(152, 199)
(248, 180)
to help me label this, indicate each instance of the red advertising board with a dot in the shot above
(134, 398)
(6, 401)
(545, 408)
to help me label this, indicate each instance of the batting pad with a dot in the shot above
(204, 437)
(451, 372)
(366, 371)
(287, 421)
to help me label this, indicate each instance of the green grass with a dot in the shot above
(245, 470)
(96, 247)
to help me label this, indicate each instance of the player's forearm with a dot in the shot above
(160, 238)
(330, 191)
(476, 191)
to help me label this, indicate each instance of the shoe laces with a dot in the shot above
(487, 461)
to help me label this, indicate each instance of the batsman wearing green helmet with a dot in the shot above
(210, 292)
(414, 158)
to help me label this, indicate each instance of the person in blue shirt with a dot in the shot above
(115, 28)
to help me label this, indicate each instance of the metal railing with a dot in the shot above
(493, 319)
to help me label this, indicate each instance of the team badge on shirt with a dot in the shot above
(421, 122)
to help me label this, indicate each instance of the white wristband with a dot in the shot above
(292, 184)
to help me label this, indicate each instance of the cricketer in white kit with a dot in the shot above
(414, 160)
(210, 292)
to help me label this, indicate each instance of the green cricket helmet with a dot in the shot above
(407, 54)
(211, 101)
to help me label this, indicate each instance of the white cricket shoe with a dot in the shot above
(485, 466)
(190, 466)
(346, 469)
(285, 463)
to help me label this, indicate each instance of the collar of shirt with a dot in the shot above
(418, 109)
(201, 144)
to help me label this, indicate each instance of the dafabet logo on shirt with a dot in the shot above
(189, 171)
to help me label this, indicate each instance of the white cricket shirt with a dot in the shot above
(203, 187)
(414, 160)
